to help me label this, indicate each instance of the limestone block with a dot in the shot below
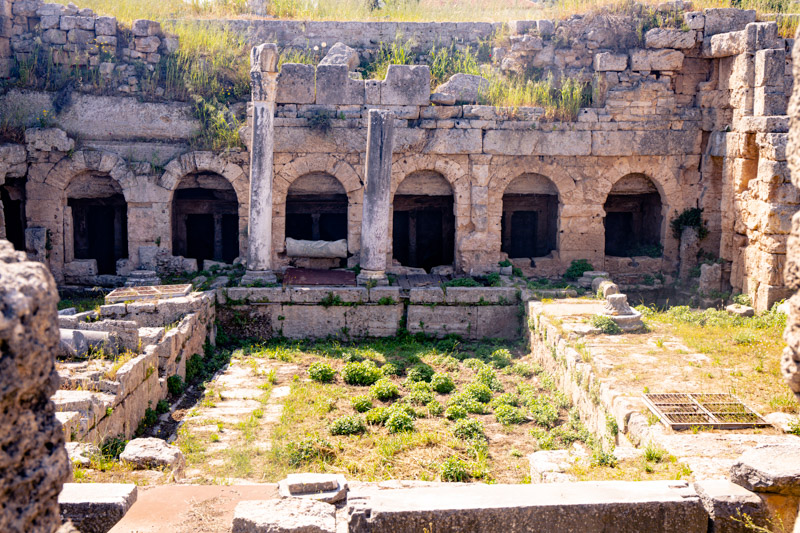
(341, 54)
(464, 88)
(106, 26)
(547, 464)
(85, 23)
(312, 321)
(374, 320)
(741, 310)
(316, 249)
(147, 45)
(726, 503)
(442, 320)
(146, 453)
(769, 468)
(772, 145)
(296, 84)
(761, 35)
(609, 62)
(526, 43)
(694, 20)
(380, 294)
(373, 92)
(316, 295)
(628, 143)
(406, 85)
(96, 507)
(48, 140)
(532, 142)
(68, 23)
(722, 20)
(768, 103)
(646, 60)
(327, 488)
(54, 36)
(145, 28)
(668, 38)
(770, 65)
(498, 322)
(334, 86)
(426, 295)
(481, 295)
(727, 44)
(284, 516)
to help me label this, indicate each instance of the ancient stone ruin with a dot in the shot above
(353, 208)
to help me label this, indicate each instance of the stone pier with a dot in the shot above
(377, 198)
(263, 74)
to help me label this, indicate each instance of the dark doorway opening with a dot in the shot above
(529, 224)
(12, 196)
(424, 231)
(633, 218)
(99, 228)
(205, 219)
(316, 209)
(99, 220)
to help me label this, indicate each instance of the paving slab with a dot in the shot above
(189, 508)
(96, 507)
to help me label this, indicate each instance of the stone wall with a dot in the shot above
(102, 399)
(360, 312)
(34, 463)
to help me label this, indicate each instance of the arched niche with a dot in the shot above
(316, 208)
(98, 213)
(529, 226)
(633, 218)
(423, 221)
(12, 211)
(205, 218)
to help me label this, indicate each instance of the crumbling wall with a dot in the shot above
(34, 463)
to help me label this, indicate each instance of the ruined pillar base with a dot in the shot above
(376, 278)
(258, 277)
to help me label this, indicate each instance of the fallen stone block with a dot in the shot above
(81, 453)
(769, 468)
(153, 453)
(328, 488)
(341, 54)
(727, 504)
(284, 516)
(464, 88)
(405, 85)
(95, 507)
(741, 310)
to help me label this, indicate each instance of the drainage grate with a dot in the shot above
(718, 411)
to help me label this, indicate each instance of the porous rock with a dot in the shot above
(284, 516)
(153, 453)
(769, 468)
(466, 88)
(33, 463)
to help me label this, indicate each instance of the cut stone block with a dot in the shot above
(284, 516)
(334, 86)
(341, 54)
(296, 84)
(95, 507)
(328, 488)
(405, 85)
(608, 62)
(726, 504)
(769, 468)
(153, 453)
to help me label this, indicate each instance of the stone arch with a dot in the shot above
(331, 165)
(529, 223)
(59, 179)
(203, 161)
(456, 176)
(633, 205)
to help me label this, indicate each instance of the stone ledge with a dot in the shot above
(96, 507)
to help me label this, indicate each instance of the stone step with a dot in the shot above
(96, 507)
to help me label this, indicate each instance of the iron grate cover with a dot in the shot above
(717, 411)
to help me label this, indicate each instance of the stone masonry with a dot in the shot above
(696, 117)
(33, 465)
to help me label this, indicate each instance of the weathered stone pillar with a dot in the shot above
(263, 75)
(375, 220)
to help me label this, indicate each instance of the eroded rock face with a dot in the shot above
(153, 453)
(33, 464)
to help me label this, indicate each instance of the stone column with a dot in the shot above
(375, 220)
(263, 75)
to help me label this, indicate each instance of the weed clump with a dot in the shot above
(361, 403)
(442, 383)
(308, 450)
(480, 392)
(508, 415)
(420, 372)
(175, 385)
(455, 412)
(364, 373)
(384, 390)
(488, 377)
(454, 469)
(321, 372)
(400, 421)
(469, 429)
(577, 268)
(348, 425)
(420, 393)
(606, 325)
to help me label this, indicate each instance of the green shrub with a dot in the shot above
(462, 282)
(506, 398)
(488, 377)
(307, 450)
(162, 407)
(654, 454)
(112, 447)
(435, 408)
(543, 412)
(689, 218)
(577, 268)
(501, 358)
(454, 469)
(175, 385)
(378, 416)
(493, 278)
(469, 429)
(361, 403)
(601, 457)
(468, 402)
(525, 370)
(194, 368)
(449, 363)
(364, 373)
(507, 415)
(742, 299)
(321, 372)
(480, 392)
(474, 364)
(384, 390)
(442, 383)
(455, 412)
(420, 372)
(390, 369)
(400, 421)
(347, 425)
(606, 325)
(420, 393)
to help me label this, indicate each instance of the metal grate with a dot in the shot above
(717, 411)
(154, 292)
